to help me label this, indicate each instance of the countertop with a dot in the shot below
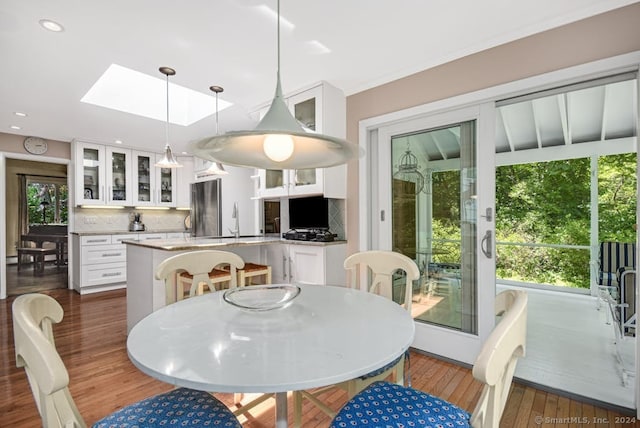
(199, 243)
(126, 232)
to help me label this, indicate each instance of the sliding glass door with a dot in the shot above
(432, 180)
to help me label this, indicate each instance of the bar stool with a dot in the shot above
(251, 270)
(197, 268)
(185, 280)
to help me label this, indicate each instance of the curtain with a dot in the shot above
(23, 213)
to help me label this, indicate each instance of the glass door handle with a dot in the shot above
(487, 244)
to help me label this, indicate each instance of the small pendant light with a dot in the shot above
(408, 171)
(216, 168)
(278, 141)
(167, 161)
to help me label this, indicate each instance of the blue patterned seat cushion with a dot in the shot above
(389, 405)
(181, 407)
(384, 368)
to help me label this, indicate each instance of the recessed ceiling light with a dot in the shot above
(15, 127)
(118, 141)
(19, 113)
(50, 25)
(130, 91)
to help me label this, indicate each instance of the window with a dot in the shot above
(47, 200)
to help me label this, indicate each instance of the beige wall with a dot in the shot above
(599, 37)
(13, 144)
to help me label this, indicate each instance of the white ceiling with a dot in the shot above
(591, 118)
(232, 43)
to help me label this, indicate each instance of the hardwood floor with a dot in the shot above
(26, 282)
(91, 340)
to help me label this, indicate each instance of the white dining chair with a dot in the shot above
(199, 268)
(33, 317)
(196, 269)
(381, 268)
(494, 367)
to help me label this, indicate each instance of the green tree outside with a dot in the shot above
(546, 203)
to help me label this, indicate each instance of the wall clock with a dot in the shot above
(35, 145)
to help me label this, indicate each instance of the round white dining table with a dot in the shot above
(327, 335)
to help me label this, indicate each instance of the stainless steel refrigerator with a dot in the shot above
(205, 208)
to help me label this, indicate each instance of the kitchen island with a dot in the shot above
(309, 262)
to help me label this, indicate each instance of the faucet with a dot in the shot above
(235, 215)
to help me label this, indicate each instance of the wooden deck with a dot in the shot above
(91, 340)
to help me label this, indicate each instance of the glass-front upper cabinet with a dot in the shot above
(90, 179)
(144, 179)
(118, 176)
(104, 174)
(320, 108)
(153, 186)
(165, 184)
(306, 110)
(273, 183)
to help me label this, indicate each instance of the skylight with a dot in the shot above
(130, 91)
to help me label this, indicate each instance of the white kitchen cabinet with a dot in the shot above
(153, 186)
(273, 183)
(321, 108)
(90, 164)
(178, 235)
(200, 167)
(166, 184)
(100, 263)
(119, 176)
(112, 175)
(307, 263)
(298, 182)
(185, 176)
(101, 260)
(103, 174)
(152, 236)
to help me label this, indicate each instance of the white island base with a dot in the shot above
(145, 294)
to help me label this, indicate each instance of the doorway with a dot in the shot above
(35, 205)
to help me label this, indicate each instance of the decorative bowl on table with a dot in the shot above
(261, 297)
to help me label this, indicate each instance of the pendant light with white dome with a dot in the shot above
(216, 168)
(167, 161)
(278, 142)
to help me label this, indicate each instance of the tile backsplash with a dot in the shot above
(109, 220)
(336, 217)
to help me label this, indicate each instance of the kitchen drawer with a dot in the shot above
(177, 235)
(95, 240)
(103, 274)
(92, 255)
(152, 236)
(117, 239)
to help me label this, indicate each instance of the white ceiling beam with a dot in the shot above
(573, 151)
(534, 108)
(438, 145)
(507, 130)
(605, 100)
(563, 103)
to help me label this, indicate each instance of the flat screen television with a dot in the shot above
(309, 213)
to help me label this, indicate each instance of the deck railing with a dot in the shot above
(562, 265)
